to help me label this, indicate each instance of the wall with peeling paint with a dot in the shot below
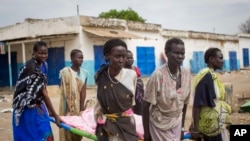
(68, 32)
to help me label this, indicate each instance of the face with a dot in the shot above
(217, 60)
(77, 59)
(176, 55)
(41, 55)
(117, 57)
(130, 59)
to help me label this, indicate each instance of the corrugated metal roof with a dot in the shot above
(111, 33)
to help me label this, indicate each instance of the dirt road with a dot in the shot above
(239, 79)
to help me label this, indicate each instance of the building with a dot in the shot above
(145, 40)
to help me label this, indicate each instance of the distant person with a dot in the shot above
(208, 105)
(115, 95)
(139, 92)
(166, 96)
(129, 63)
(73, 91)
(30, 102)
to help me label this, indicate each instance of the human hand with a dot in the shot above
(81, 112)
(101, 119)
(195, 135)
(57, 120)
(68, 114)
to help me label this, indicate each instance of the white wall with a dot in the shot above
(18, 48)
(34, 28)
(149, 39)
(244, 42)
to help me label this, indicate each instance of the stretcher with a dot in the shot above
(92, 136)
(75, 130)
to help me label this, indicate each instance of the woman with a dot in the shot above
(208, 105)
(129, 63)
(115, 95)
(166, 96)
(73, 91)
(30, 116)
(139, 92)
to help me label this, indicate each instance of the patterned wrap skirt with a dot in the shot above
(34, 124)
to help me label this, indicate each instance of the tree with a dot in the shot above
(245, 27)
(128, 14)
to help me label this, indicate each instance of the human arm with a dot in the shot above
(99, 117)
(134, 81)
(50, 106)
(83, 96)
(152, 89)
(184, 110)
(195, 134)
(203, 97)
(145, 120)
(185, 105)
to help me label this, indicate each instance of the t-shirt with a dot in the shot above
(204, 92)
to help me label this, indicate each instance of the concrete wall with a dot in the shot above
(88, 51)
(68, 32)
(244, 42)
(32, 28)
(200, 41)
(21, 58)
(193, 45)
(150, 39)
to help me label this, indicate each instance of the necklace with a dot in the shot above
(111, 78)
(174, 77)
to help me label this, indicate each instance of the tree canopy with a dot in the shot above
(245, 27)
(128, 14)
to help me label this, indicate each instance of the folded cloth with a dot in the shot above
(83, 122)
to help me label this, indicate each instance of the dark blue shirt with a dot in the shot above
(204, 92)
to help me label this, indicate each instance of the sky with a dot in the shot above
(215, 16)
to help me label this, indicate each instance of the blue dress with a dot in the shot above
(32, 123)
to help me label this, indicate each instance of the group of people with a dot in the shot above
(162, 103)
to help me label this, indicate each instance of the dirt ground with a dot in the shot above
(240, 94)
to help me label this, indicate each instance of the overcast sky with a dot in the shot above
(219, 16)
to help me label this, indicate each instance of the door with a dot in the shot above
(245, 57)
(146, 60)
(233, 60)
(4, 69)
(56, 61)
(197, 63)
(99, 57)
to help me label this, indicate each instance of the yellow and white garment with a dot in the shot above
(213, 121)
